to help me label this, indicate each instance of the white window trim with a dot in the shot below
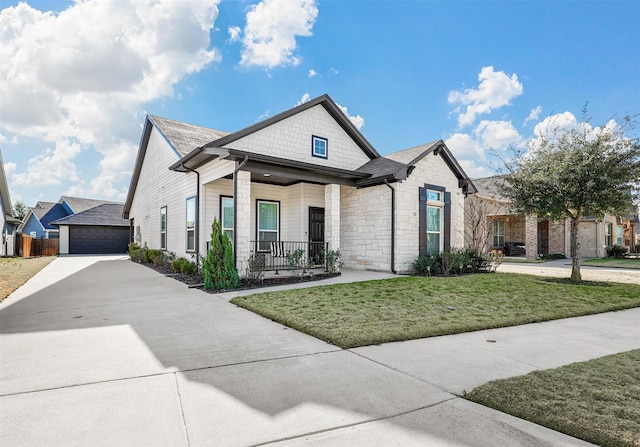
(222, 222)
(315, 138)
(195, 224)
(258, 230)
(163, 212)
(497, 234)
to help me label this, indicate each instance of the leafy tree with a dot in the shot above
(19, 210)
(576, 170)
(219, 269)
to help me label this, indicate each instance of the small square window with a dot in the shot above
(434, 195)
(319, 147)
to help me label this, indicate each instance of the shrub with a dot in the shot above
(183, 265)
(551, 256)
(617, 251)
(255, 268)
(476, 262)
(297, 262)
(219, 269)
(151, 254)
(427, 264)
(162, 260)
(333, 261)
(136, 253)
(133, 247)
(495, 258)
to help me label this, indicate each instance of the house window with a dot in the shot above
(268, 227)
(498, 233)
(163, 228)
(191, 224)
(608, 235)
(319, 147)
(226, 216)
(434, 222)
(434, 195)
(619, 236)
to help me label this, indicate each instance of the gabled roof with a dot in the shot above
(199, 156)
(184, 137)
(79, 204)
(108, 214)
(489, 188)
(56, 212)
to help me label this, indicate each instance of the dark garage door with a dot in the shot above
(98, 239)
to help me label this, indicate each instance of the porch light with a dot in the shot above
(267, 175)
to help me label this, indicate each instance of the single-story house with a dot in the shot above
(97, 230)
(305, 179)
(9, 223)
(489, 214)
(37, 221)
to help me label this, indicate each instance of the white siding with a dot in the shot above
(158, 187)
(291, 139)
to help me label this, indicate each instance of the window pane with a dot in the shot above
(191, 240)
(433, 218)
(191, 213)
(227, 212)
(268, 216)
(433, 243)
(433, 195)
(163, 219)
(229, 234)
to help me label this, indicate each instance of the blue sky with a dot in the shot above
(78, 78)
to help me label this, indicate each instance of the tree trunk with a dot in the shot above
(575, 250)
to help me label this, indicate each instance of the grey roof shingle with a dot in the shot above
(488, 187)
(108, 214)
(186, 137)
(411, 155)
(79, 204)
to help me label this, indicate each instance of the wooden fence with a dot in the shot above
(29, 246)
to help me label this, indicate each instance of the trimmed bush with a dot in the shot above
(617, 251)
(219, 269)
(184, 266)
(151, 254)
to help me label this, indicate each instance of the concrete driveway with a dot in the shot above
(102, 351)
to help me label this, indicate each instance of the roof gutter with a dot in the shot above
(393, 226)
(235, 206)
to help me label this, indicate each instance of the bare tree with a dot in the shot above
(478, 225)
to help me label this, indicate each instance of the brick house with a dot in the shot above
(305, 179)
(531, 236)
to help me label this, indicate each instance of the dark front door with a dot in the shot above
(316, 235)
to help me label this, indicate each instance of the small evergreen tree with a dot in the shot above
(219, 269)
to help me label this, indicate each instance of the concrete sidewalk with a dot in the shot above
(115, 354)
(561, 268)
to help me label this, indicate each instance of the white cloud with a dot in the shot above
(10, 169)
(51, 167)
(77, 79)
(495, 90)
(497, 134)
(234, 33)
(533, 115)
(357, 120)
(464, 146)
(304, 98)
(271, 31)
(333, 71)
(312, 73)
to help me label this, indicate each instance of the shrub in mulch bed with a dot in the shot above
(196, 280)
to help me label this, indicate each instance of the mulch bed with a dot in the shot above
(196, 281)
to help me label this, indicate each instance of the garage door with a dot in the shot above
(98, 239)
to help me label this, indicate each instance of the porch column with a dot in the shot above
(531, 236)
(243, 221)
(332, 216)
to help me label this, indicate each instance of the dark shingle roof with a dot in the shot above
(109, 214)
(79, 204)
(186, 137)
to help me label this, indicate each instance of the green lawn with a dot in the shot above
(366, 313)
(633, 263)
(598, 401)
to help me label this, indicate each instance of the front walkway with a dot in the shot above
(107, 352)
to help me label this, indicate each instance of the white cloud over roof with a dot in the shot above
(271, 30)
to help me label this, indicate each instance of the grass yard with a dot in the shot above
(598, 400)
(633, 263)
(372, 312)
(16, 271)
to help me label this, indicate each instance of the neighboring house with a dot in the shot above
(37, 222)
(304, 179)
(9, 223)
(530, 236)
(100, 229)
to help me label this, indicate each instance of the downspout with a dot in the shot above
(393, 226)
(235, 206)
(197, 241)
